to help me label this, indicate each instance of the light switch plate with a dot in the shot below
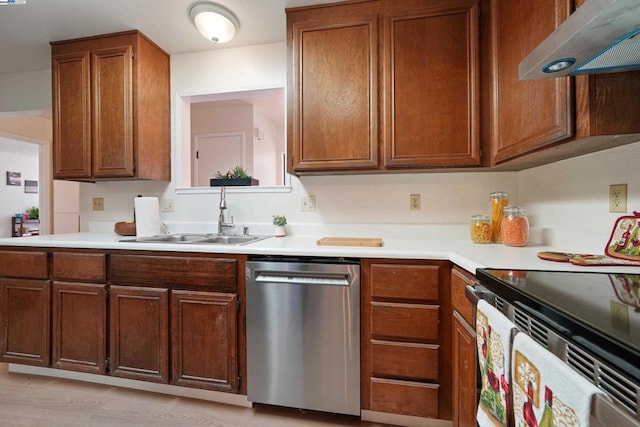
(166, 205)
(308, 204)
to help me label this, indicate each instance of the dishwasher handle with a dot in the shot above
(302, 278)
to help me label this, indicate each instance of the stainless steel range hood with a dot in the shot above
(601, 36)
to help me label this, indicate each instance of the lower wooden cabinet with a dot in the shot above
(79, 327)
(139, 333)
(24, 321)
(406, 366)
(25, 307)
(79, 311)
(204, 340)
(159, 317)
(464, 351)
(464, 373)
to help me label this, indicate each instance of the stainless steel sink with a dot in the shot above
(198, 239)
(173, 238)
(232, 240)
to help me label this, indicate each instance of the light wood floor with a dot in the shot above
(29, 400)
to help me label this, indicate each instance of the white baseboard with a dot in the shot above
(194, 393)
(402, 420)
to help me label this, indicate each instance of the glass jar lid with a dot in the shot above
(480, 218)
(514, 211)
(499, 195)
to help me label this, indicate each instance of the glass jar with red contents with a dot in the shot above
(514, 230)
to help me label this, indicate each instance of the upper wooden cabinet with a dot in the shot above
(377, 85)
(333, 88)
(111, 112)
(431, 84)
(523, 120)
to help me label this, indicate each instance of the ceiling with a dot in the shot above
(26, 30)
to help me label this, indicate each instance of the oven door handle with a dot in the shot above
(476, 292)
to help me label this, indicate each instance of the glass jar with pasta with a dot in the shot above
(499, 200)
(514, 230)
(480, 229)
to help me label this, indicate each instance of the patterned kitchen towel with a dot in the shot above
(494, 336)
(546, 391)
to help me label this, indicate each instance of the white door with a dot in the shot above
(217, 152)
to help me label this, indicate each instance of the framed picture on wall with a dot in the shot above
(30, 186)
(13, 178)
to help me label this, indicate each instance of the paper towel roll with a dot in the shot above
(147, 216)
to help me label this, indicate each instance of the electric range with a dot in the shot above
(590, 320)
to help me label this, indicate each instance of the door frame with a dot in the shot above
(45, 173)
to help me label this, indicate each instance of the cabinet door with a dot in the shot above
(333, 89)
(525, 115)
(464, 373)
(431, 81)
(72, 116)
(112, 91)
(204, 340)
(24, 321)
(79, 322)
(139, 333)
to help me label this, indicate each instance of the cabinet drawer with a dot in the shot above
(24, 264)
(79, 267)
(459, 281)
(404, 397)
(397, 281)
(404, 360)
(409, 322)
(218, 273)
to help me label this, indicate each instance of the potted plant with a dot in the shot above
(33, 213)
(280, 221)
(236, 177)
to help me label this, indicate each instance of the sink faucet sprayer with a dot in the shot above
(222, 225)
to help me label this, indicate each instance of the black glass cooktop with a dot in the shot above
(593, 309)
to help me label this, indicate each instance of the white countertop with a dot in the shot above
(461, 252)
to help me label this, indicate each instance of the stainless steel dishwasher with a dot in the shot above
(303, 333)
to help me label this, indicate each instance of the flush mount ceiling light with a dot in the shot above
(215, 22)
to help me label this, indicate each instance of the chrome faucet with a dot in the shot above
(222, 225)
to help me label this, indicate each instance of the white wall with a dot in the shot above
(66, 207)
(570, 196)
(267, 150)
(25, 91)
(16, 157)
(573, 196)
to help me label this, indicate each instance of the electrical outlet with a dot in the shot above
(167, 205)
(414, 202)
(618, 198)
(98, 203)
(308, 204)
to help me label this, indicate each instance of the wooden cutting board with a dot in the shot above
(350, 241)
